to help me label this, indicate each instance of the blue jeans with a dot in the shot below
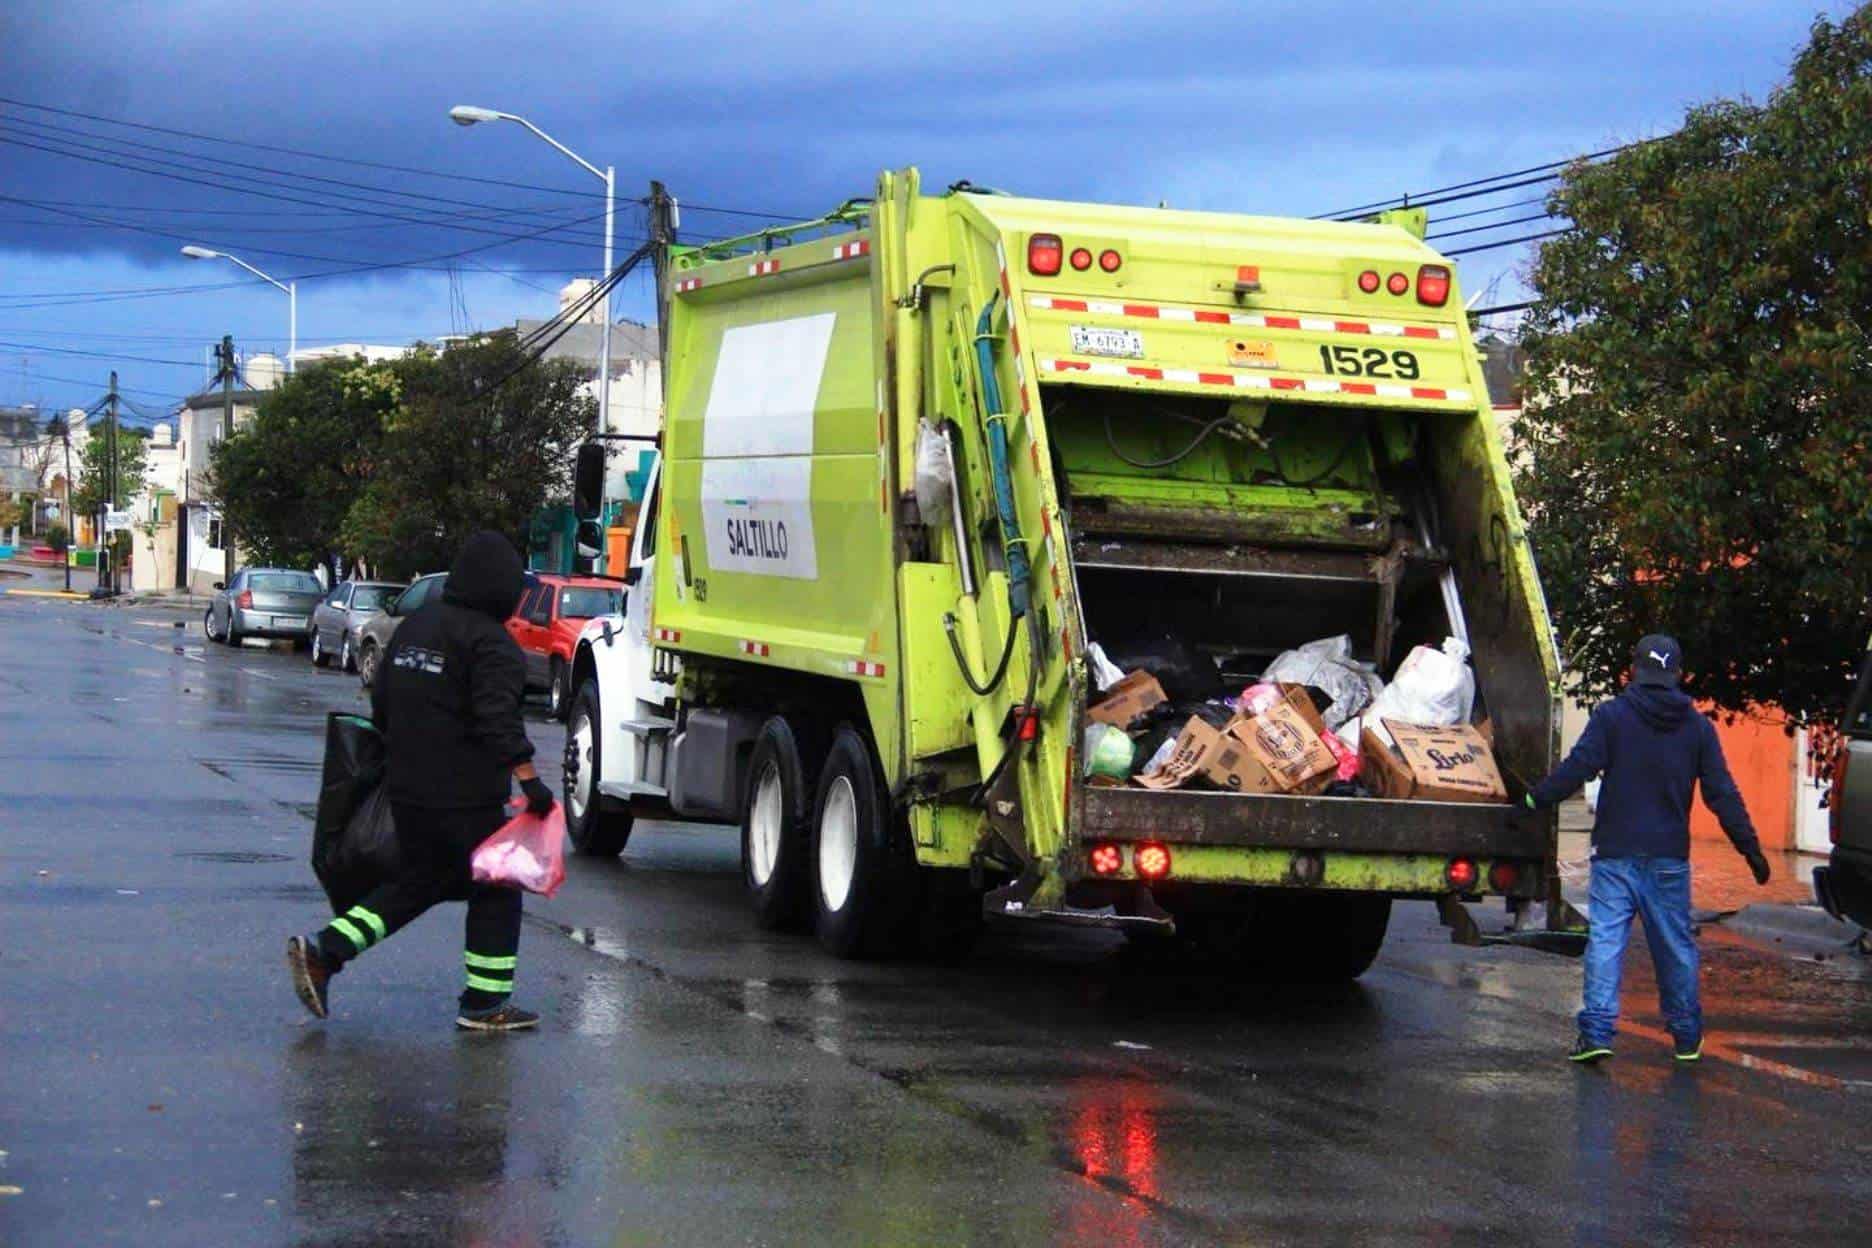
(1658, 890)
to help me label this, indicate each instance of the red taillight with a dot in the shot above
(1432, 285)
(1368, 281)
(1397, 283)
(245, 601)
(1503, 876)
(1027, 721)
(1044, 254)
(1081, 259)
(1152, 861)
(1106, 859)
(1836, 795)
(1110, 260)
(1460, 874)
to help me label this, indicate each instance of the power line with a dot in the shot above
(1492, 225)
(1506, 242)
(98, 355)
(1419, 199)
(35, 375)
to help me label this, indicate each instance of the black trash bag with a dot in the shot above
(353, 771)
(367, 854)
(1186, 673)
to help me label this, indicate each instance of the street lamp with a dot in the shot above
(291, 288)
(468, 115)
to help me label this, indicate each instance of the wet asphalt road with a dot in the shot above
(698, 1081)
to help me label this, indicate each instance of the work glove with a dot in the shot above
(539, 798)
(1523, 813)
(1759, 865)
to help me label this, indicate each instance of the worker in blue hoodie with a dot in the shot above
(1650, 746)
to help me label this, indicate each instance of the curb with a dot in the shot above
(1803, 931)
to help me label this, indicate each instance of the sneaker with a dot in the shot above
(503, 1017)
(1586, 1051)
(1691, 1052)
(311, 975)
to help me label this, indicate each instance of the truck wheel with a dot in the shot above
(862, 879)
(593, 829)
(1318, 938)
(776, 818)
(558, 697)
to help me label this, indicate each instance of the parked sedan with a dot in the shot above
(262, 602)
(547, 623)
(374, 634)
(336, 621)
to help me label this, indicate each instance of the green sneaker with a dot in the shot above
(1587, 1052)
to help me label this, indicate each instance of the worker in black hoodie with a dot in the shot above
(1651, 746)
(447, 700)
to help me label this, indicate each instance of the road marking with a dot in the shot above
(49, 593)
(1722, 1052)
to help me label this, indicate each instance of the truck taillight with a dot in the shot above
(1151, 860)
(1081, 259)
(245, 601)
(1836, 795)
(1397, 283)
(1432, 285)
(1106, 858)
(1503, 876)
(1110, 260)
(1045, 253)
(1369, 281)
(1460, 874)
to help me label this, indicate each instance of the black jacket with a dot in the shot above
(448, 690)
(1651, 746)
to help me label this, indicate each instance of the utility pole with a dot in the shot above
(107, 575)
(663, 222)
(226, 377)
(65, 436)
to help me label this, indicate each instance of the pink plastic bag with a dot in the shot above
(528, 851)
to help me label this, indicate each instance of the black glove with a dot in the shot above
(1523, 814)
(539, 798)
(1759, 865)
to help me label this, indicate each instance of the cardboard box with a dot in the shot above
(1431, 764)
(1196, 740)
(1205, 752)
(1135, 695)
(1286, 741)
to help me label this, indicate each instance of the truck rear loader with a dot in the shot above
(918, 454)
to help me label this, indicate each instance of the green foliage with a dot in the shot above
(1699, 419)
(58, 537)
(94, 469)
(460, 455)
(286, 479)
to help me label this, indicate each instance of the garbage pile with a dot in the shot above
(1317, 723)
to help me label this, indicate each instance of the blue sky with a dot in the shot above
(1267, 107)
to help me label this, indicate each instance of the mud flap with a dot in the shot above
(1565, 934)
(1026, 899)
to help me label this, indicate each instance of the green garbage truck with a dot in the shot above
(919, 455)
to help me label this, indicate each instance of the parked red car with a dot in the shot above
(547, 624)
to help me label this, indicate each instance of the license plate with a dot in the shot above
(1098, 340)
(289, 621)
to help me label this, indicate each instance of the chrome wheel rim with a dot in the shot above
(765, 816)
(578, 767)
(838, 844)
(318, 649)
(344, 654)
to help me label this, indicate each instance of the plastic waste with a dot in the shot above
(1108, 751)
(1327, 665)
(1105, 673)
(1256, 698)
(353, 836)
(528, 851)
(934, 480)
(1160, 757)
(1432, 687)
(1183, 671)
(1345, 758)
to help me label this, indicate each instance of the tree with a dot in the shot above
(93, 485)
(473, 444)
(1699, 421)
(286, 480)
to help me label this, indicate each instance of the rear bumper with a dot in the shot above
(1351, 843)
(261, 624)
(1844, 886)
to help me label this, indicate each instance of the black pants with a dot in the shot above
(436, 845)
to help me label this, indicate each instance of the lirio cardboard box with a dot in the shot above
(1285, 740)
(1219, 758)
(1128, 699)
(1432, 764)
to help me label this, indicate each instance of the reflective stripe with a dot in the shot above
(369, 919)
(484, 962)
(489, 985)
(358, 940)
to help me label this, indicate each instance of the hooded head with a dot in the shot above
(1658, 660)
(486, 576)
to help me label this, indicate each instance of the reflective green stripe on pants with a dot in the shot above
(483, 962)
(485, 984)
(349, 931)
(369, 919)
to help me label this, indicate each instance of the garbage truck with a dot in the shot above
(920, 454)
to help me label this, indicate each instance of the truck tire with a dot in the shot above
(593, 828)
(863, 885)
(776, 822)
(1317, 938)
(558, 693)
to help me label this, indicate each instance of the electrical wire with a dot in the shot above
(1419, 200)
(1506, 242)
(97, 355)
(1492, 225)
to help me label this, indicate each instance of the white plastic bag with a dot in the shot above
(1432, 687)
(1327, 664)
(1105, 673)
(934, 480)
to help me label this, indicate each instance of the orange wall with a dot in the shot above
(1761, 758)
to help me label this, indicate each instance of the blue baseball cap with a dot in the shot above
(1658, 660)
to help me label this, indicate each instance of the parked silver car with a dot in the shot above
(374, 633)
(262, 602)
(336, 621)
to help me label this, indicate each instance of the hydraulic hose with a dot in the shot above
(1007, 652)
(1020, 570)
